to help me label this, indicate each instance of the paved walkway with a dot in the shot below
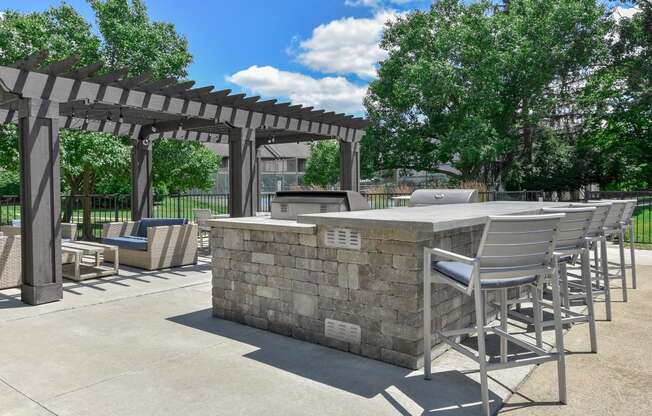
(145, 343)
(615, 381)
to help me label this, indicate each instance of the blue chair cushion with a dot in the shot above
(130, 242)
(565, 259)
(15, 223)
(461, 273)
(145, 223)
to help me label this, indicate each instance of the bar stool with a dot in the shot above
(613, 227)
(571, 242)
(596, 241)
(627, 223)
(515, 251)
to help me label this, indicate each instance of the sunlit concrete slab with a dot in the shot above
(154, 348)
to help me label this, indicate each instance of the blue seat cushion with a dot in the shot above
(461, 273)
(130, 242)
(145, 223)
(15, 223)
(565, 259)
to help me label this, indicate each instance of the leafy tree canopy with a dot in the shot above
(128, 38)
(481, 86)
(323, 165)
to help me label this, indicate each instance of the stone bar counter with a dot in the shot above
(348, 280)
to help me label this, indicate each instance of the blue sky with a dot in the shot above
(320, 53)
(314, 52)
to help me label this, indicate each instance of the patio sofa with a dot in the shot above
(152, 243)
(10, 252)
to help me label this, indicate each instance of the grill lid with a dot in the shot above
(289, 204)
(423, 197)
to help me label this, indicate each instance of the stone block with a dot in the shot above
(403, 304)
(278, 248)
(255, 279)
(326, 279)
(380, 259)
(255, 321)
(391, 274)
(365, 297)
(303, 251)
(286, 238)
(394, 329)
(333, 292)
(327, 253)
(233, 239)
(221, 263)
(285, 261)
(330, 266)
(306, 305)
(314, 265)
(262, 258)
(257, 235)
(353, 256)
(308, 240)
(267, 292)
(397, 247)
(305, 287)
(255, 246)
(406, 262)
(279, 282)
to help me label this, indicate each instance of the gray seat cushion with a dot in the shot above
(145, 223)
(130, 242)
(461, 273)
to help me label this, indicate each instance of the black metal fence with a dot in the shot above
(91, 212)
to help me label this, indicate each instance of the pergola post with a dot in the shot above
(350, 165)
(40, 197)
(243, 172)
(142, 192)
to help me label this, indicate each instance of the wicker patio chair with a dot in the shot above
(10, 253)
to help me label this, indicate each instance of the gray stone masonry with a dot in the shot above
(290, 283)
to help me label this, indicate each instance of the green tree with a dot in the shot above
(323, 165)
(478, 85)
(618, 102)
(181, 165)
(127, 39)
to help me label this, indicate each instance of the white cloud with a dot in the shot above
(330, 93)
(346, 46)
(624, 12)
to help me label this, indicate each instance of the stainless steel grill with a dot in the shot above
(287, 205)
(422, 197)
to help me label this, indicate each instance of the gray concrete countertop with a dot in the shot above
(431, 218)
(263, 223)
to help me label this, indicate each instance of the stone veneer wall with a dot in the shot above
(289, 283)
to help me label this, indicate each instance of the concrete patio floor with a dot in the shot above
(617, 380)
(145, 343)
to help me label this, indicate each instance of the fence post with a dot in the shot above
(178, 205)
(115, 204)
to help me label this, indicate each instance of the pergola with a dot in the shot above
(41, 99)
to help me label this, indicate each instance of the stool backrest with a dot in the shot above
(573, 228)
(615, 213)
(599, 217)
(201, 214)
(517, 245)
(628, 212)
